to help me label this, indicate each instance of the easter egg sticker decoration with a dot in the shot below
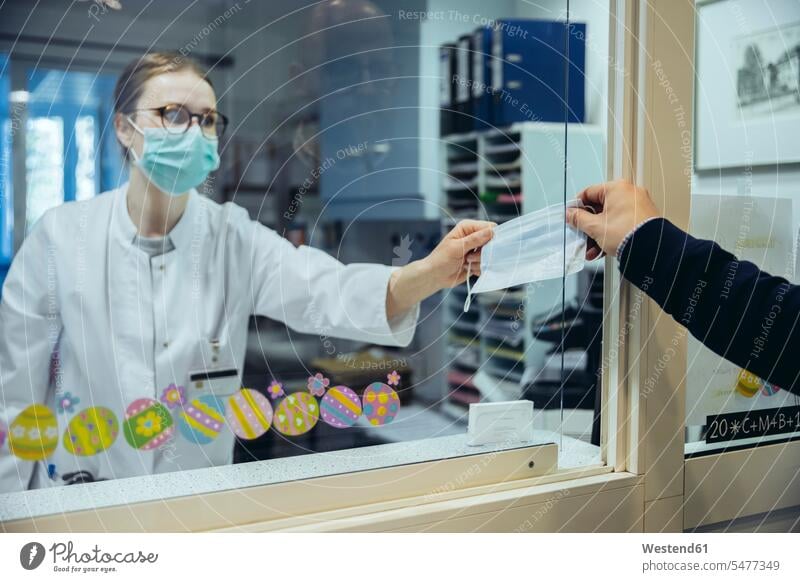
(33, 435)
(381, 404)
(297, 414)
(249, 414)
(91, 431)
(3, 433)
(148, 424)
(340, 407)
(202, 419)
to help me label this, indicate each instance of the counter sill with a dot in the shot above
(219, 497)
(417, 514)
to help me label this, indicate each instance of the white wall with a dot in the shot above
(766, 181)
(775, 181)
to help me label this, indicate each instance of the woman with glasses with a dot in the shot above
(137, 301)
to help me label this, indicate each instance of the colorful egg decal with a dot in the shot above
(340, 407)
(202, 419)
(33, 436)
(767, 390)
(148, 424)
(297, 414)
(249, 414)
(748, 384)
(91, 431)
(381, 403)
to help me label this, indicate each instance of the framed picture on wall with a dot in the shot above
(747, 94)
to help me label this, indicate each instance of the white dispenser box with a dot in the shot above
(500, 422)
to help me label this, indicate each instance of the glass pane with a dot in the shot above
(44, 162)
(748, 116)
(366, 131)
(477, 153)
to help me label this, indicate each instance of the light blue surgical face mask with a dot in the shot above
(533, 247)
(176, 162)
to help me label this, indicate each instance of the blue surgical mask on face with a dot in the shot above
(176, 162)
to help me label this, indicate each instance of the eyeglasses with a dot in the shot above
(178, 119)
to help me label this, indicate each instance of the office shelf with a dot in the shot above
(498, 175)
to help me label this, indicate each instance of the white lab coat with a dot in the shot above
(125, 325)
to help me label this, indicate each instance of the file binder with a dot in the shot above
(531, 65)
(463, 93)
(447, 58)
(481, 78)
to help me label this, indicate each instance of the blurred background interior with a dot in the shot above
(348, 133)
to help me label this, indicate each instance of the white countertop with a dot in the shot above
(62, 499)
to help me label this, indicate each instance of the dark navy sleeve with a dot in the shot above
(743, 314)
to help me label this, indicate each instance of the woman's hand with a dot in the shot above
(619, 207)
(446, 266)
(459, 252)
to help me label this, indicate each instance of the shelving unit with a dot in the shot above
(460, 158)
(498, 175)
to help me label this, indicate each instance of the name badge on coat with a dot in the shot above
(213, 371)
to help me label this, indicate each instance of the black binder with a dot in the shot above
(447, 67)
(463, 89)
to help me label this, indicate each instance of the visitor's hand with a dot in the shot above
(618, 208)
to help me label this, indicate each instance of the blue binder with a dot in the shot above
(530, 68)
